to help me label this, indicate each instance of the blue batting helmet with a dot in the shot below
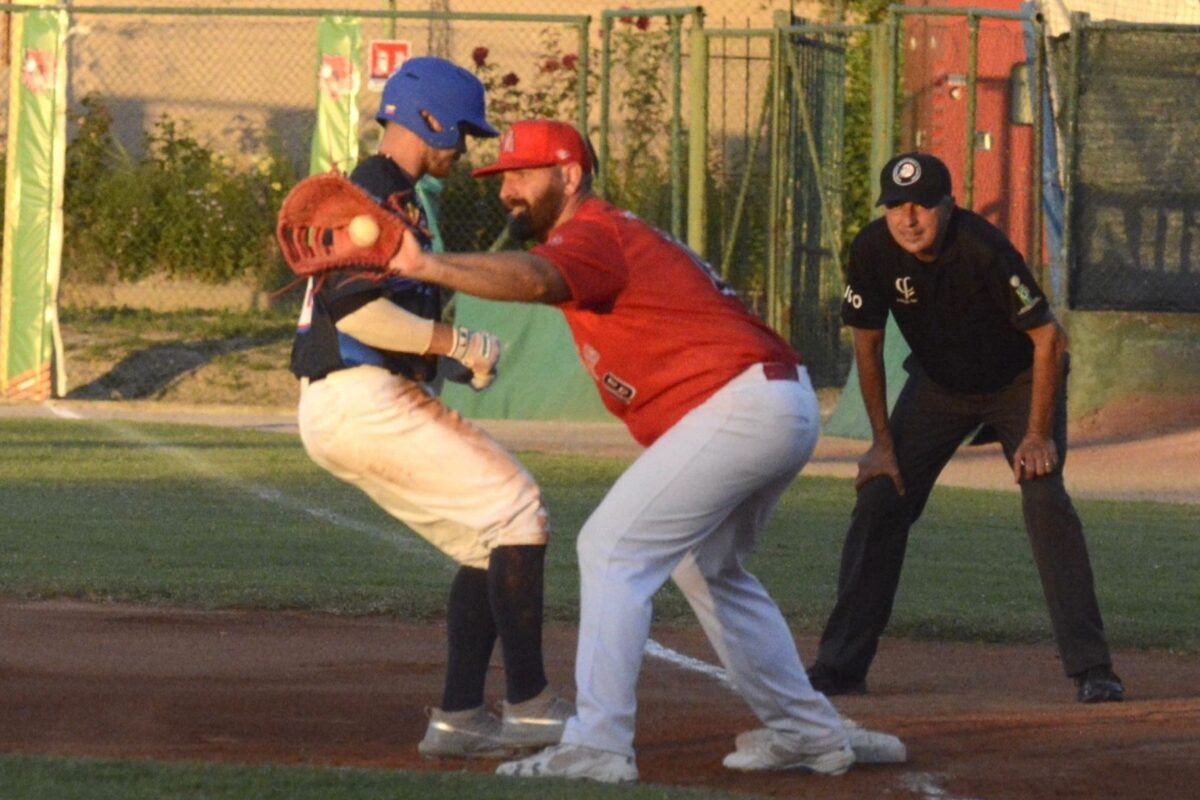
(450, 94)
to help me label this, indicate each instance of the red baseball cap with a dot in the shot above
(539, 143)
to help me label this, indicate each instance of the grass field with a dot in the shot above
(210, 518)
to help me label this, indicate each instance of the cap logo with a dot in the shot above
(907, 172)
(561, 154)
(508, 142)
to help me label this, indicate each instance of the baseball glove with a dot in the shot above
(327, 222)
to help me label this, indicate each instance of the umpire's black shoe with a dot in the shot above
(1099, 685)
(830, 682)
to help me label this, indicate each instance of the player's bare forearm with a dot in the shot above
(880, 458)
(1049, 350)
(513, 276)
(872, 380)
(1037, 454)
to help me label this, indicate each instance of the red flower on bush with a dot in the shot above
(479, 56)
(643, 23)
(510, 79)
(551, 65)
(570, 60)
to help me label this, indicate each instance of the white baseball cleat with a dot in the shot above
(765, 749)
(874, 747)
(573, 761)
(537, 722)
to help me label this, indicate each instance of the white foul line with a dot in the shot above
(402, 543)
(405, 544)
(656, 650)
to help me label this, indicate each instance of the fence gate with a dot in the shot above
(777, 122)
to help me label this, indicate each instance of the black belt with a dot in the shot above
(781, 371)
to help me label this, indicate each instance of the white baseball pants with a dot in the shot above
(421, 462)
(691, 508)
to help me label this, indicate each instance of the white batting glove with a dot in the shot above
(478, 351)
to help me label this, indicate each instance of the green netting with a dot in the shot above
(1135, 191)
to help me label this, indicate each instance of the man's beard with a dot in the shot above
(535, 220)
(521, 227)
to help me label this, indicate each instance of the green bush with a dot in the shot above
(181, 209)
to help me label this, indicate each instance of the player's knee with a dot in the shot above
(594, 544)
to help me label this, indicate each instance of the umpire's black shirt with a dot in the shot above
(963, 314)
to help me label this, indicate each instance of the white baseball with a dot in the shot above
(363, 230)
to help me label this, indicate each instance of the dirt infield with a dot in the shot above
(252, 687)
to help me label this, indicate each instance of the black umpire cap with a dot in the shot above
(919, 178)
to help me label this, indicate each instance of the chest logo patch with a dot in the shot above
(905, 293)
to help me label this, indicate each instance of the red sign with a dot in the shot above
(385, 57)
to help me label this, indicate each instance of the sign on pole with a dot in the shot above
(385, 56)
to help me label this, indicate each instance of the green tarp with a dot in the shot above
(849, 418)
(539, 377)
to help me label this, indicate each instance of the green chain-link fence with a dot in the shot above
(188, 126)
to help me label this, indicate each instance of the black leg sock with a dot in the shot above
(471, 634)
(515, 575)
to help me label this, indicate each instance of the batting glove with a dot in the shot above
(478, 351)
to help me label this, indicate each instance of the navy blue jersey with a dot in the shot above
(319, 348)
(964, 315)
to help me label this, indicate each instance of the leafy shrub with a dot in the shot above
(182, 209)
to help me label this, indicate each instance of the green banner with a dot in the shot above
(30, 342)
(339, 51)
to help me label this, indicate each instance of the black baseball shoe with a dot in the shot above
(1099, 685)
(830, 682)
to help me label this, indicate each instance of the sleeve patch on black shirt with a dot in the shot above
(1028, 299)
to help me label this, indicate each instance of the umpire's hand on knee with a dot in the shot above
(879, 460)
(1035, 457)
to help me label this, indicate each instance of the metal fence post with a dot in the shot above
(883, 99)
(1036, 190)
(697, 202)
(972, 74)
(584, 74)
(1079, 22)
(676, 165)
(771, 276)
(606, 26)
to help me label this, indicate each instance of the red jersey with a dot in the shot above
(654, 324)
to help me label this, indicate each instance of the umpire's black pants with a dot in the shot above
(928, 424)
